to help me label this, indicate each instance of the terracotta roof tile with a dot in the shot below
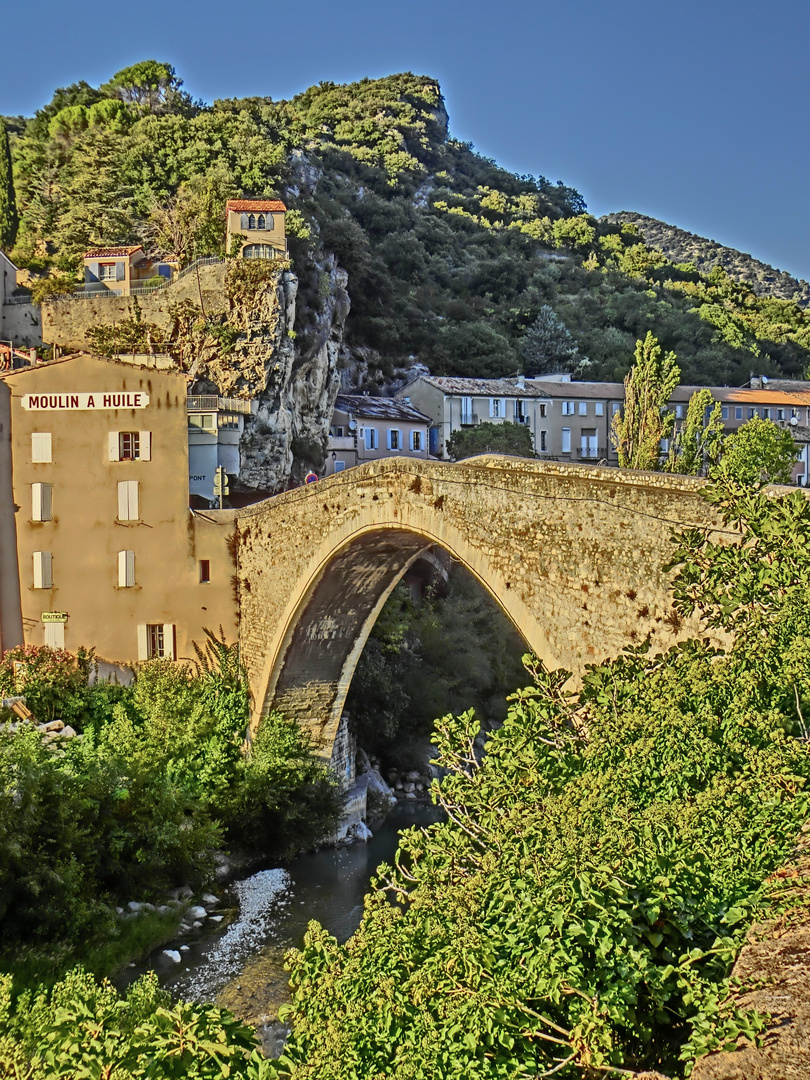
(257, 204)
(111, 252)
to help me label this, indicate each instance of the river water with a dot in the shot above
(239, 961)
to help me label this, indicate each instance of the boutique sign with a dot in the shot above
(83, 402)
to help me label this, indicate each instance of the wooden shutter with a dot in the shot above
(123, 500)
(120, 271)
(55, 635)
(244, 221)
(114, 447)
(126, 569)
(134, 510)
(41, 446)
(41, 502)
(43, 570)
(168, 641)
(145, 445)
(143, 648)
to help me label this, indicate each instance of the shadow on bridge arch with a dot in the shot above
(336, 606)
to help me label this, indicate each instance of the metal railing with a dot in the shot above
(19, 299)
(589, 454)
(234, 405)
(210, 403)
(202, 403)
(208, 260)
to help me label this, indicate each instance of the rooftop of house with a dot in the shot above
(743, 396)
(265, 205)
(376, 408)
(111, 252)
(485, 387)
(113, 361)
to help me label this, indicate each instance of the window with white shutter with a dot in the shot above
(55, 635)
(43, 570)
(156, 640)
(146, 445)
(41, 502)
(41, 447)
(128, 500)
(566, 440)
(583, 408)
(126, 569)
(113, 446)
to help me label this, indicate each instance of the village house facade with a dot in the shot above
(101, 549)
(122, 271)
(255, 228)
(364, 428)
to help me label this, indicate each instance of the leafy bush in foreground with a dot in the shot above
(581, 907)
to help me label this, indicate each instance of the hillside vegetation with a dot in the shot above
(682, 246)
(450, 258)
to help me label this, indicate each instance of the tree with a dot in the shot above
(696, 445)
(645, 420)
(759, 452)
(506, 438)
(149, 85)
(548, 344)
(9, 222)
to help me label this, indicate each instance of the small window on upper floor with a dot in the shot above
(205, 570)
(126, 569)
(130, 446)
(542, 408)
(43, 570)
(738, 412)
(416, 440)
(583, 408)
(724, 412)
(780, 414)
(752, 413)
(156, 640)
(766, 414)
(599, 408)
(41, 502)
(394, 440)
(128, 509)
(205, 421)
(41, 447)
(543, 441)
(679, 412)
(615, 407)
(106, 271)
(260, 222)
(251, 221)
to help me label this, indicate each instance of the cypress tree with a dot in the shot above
(9, 221)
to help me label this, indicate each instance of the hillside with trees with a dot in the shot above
(453, 262)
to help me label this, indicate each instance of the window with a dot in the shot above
(466, 410)
(338, 432)
(544, 440)
(542, 408)
(131, 445)
(679, 412)
(205, 421)
(41, 502)
(227, 422)
(738, 412)
(155, 640)
(752, 413)
(416, 440)
(568, 408)
(583, 408)
(599, 408)
(371, 438)
(259, 251)
(588, 443)
(55, 635)
(41, 449)
(128, 500)
(252, 221)
(205, 570)
(126, 569)
(106, 271)
(665, 445)
(495, 407)
(766, 414)
(615, 406)
(394, 440)
(43, 570)
(566, 440)
(724, 411)
(340, 466)
(260, 222)
(780, 414)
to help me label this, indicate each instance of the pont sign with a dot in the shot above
(82, 402)
(54, 616)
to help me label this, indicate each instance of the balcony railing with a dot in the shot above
(469, 419)
(24, 299)
(590, 454)
(211, 403)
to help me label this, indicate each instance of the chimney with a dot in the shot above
(521, 381)
(33, 355)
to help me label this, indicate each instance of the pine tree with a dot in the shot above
(645, 420)
(9, 221)
(548, 344)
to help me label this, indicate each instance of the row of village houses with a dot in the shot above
(569, 421)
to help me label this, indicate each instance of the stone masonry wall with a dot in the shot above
(573, 554)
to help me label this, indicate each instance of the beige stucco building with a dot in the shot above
(122, 271)
(98, 546)
(365, 428)
(257, 226)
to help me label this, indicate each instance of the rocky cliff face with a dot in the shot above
(682, 246)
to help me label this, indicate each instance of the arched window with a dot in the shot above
(260, 222)
(252, 221)
(259, 251)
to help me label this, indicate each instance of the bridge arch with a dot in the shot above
(573, 554)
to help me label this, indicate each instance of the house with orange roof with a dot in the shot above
(122, 270)
(255, 228)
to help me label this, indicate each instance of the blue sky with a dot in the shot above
(695, 112)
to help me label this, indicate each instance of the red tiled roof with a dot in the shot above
(256, 204)
(111, 252)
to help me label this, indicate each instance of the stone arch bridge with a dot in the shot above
(572, 553)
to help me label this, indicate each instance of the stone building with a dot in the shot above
(98, 546)
(257, 226)
(364, 428)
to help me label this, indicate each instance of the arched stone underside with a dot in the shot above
(573, 554)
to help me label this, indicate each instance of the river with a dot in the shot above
(239, 962)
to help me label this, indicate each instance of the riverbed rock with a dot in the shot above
(172, 954)
(54, 725)
(134, 906)
(410, 794)
(412, 776)
(212, 901)
(196, 925)
(184, 892)
(409, 787)
(196, 912)
(68, 732)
